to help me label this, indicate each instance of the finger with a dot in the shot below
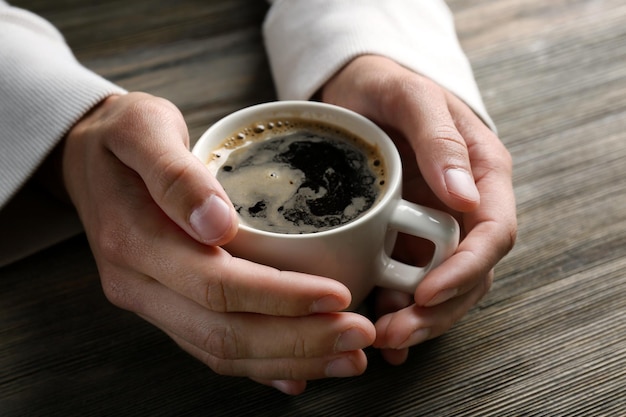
(236, 336)
(284, 386)
(155, 145)
(222, 283)
(142, 236)
(415, 324)
(389, 301)
(286, 369)
(475, 257)
(491, 229)
(395, 356)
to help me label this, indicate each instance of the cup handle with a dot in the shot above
(434, 225)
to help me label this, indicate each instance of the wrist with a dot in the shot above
(50, 176)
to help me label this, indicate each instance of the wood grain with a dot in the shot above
(548, 340)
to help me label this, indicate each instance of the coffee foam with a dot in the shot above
(273, 195)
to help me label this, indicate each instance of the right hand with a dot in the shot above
(155, 218)
(452, 162)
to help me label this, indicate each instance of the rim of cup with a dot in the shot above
(331, 114)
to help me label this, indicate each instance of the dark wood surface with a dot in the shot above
(548, 340)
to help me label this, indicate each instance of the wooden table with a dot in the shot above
(548, 340)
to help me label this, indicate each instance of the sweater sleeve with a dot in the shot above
(309, 40)
(44, 91)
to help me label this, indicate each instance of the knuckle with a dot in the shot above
(507, 158)
(415, 86)
(219, 296)
(507, 234)
(503, 237)
(215, 296)
(488, 281)
(171, 174)
(142, 113)
(447, 134)
(114, 244)
(288, 369)
(512, 237)
(222, 343)
(497, 155)
(116, 289)
(114, 249)
(300, 349)
(405, 86)
(112, 286)
(447, 139)
(503, 159)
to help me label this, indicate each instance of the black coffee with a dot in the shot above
(293, 176)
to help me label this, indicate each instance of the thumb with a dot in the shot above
(178, 182)
(417, 108)
(442, 155)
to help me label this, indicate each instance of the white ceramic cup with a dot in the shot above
(356, 253)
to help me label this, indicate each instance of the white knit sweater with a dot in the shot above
(44, 90)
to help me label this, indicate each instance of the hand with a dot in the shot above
(154, 218)
(451, 161)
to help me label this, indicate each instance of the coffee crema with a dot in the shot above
(296, 176)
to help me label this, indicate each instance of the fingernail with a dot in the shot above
(211, 220)
(460, 183)
(286, 387)
(416, 337)
(351, 339)
(327, 304)
(442, 296)
(340, 368)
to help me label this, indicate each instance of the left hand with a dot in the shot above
(154, 217)
(451, 161)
